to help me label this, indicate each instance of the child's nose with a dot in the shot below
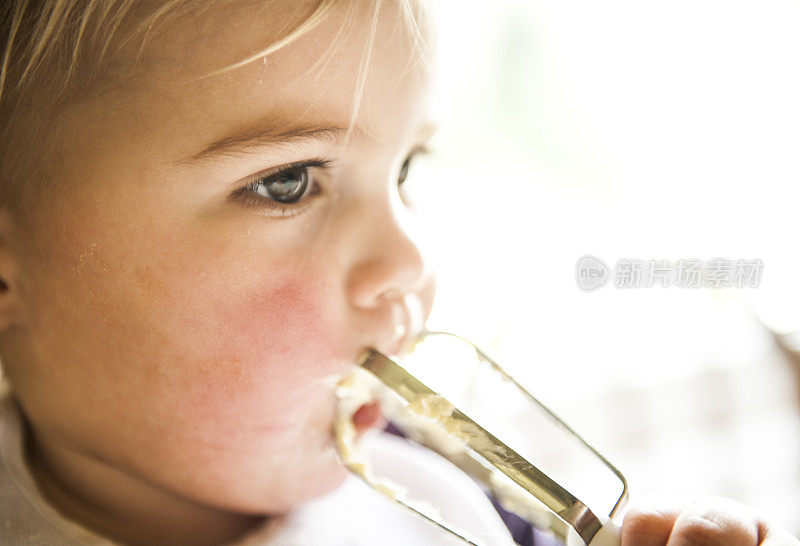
(391, 262)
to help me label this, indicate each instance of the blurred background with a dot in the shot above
(629, 130)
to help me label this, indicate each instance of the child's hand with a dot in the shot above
(706, 522)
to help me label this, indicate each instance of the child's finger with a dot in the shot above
(707, 521)
(648, 526)
(774, 535)
(704, 525)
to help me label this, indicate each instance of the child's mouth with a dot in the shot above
(368, 416)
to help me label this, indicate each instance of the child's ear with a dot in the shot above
(8, 267)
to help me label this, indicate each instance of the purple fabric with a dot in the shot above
(521, 531)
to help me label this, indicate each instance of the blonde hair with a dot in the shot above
(46, 43)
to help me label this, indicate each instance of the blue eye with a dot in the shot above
(288, 186)
(283, 191)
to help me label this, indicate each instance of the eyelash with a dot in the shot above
(419, 151)
(250, 199)
(247, 196)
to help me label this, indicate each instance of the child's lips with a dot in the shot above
(368, 416)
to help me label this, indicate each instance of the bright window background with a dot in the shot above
(628, 129)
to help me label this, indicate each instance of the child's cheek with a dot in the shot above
(264, 355)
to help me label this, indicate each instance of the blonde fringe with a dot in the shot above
(312, 21)
(363, 68)
(56, 26)
(14, 19)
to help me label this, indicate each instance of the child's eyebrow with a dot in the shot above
(244, 141)
(248, 140)
(427, 130)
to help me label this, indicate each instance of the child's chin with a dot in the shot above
(330, 482)
(319, 485)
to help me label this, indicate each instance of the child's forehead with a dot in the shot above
(312, 78)
(301, 40)
(316, 73)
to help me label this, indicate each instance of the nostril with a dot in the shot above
(391, 327)
(407, 316)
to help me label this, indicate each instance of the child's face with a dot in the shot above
(190, 333)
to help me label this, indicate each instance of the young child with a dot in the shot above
(201, 227)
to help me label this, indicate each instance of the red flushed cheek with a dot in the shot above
(288, 322)
(266, 353)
